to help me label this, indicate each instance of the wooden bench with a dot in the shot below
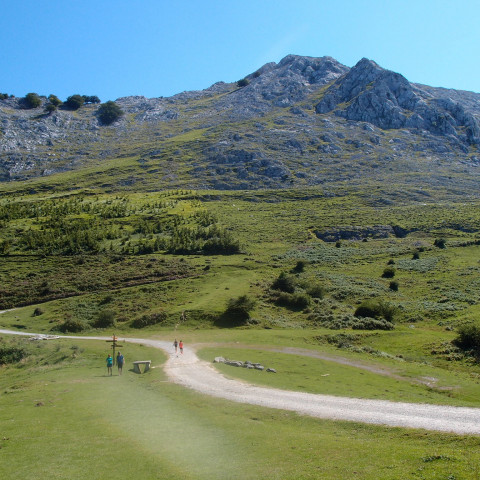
(136, 366)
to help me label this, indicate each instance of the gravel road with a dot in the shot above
(191, 372)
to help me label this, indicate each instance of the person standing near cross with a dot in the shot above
(120, 362)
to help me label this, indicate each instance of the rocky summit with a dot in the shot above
(302, 122)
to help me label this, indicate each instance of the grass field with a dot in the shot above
(78, 255)
(62, 417)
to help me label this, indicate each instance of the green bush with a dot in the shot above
(105, 319)
(50, 108)
(72, 326)
(239, 308)
(32, 100)
(242, 83)
(284, 283)
(393, 286)
(389, 272)
(109, 112)
(91, 99)
(11, 354)
(372, 324)
(54, 100)
(74, 102)
(440, 243)
(150, 319)
(468, 338)
(299, 267)
(296, 301)
(316, 291)
(376, 309)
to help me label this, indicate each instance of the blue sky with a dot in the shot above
(158, 48)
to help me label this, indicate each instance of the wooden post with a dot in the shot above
(114, 345)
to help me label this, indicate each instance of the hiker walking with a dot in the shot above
(120, 362)
(175, 344)
(180, 346)
(109, 364)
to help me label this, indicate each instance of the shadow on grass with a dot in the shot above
(230, 320)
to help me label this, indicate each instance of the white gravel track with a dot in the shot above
(191, 372)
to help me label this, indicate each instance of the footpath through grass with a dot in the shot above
(62, 417)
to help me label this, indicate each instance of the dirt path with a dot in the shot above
(191, 372)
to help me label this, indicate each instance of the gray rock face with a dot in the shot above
(386, 99)
(285, 83)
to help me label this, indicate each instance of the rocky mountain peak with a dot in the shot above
(388, 100)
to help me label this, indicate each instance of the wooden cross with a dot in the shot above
(114, 345)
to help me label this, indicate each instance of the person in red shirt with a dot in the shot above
(180, 346)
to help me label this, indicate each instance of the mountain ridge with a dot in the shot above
(303, 121)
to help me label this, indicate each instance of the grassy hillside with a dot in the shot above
(97, 262)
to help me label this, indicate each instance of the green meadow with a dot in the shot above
(63, 417)
(98, 260)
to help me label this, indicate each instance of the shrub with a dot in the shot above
(73, 326)
(393, 286)
(389, 272)
(376, 309)
(297, 301)
(74, 102)
(105, 300)
(468, 338)
(91, 99)
(54, 100)
(50, 108)
(105, 319)
(150, 319)
(372, 324)
(37, 312)
(284, 283)
(242, 83)
(299, 267)
(32, 100)
(223, 244)
(416, 256)
(391, 262)
(316, 291)
(11, 354)
(440, 243)
(240, 307)
(109, 112)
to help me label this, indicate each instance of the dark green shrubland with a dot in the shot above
(468, 338)
(10, 352)
(240, 308)
(376, 309)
